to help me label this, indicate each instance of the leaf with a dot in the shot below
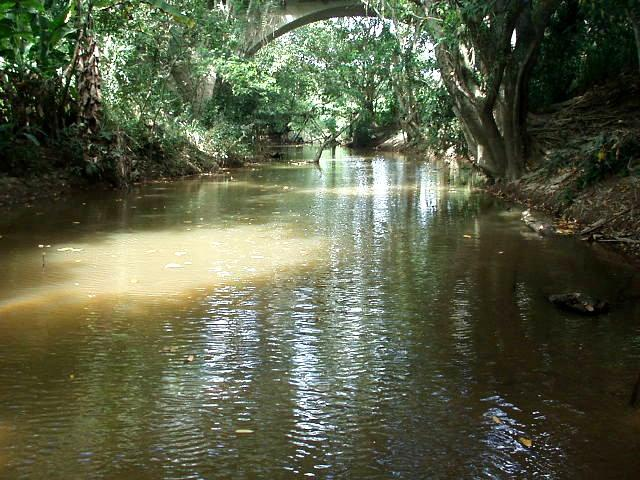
(496, 419)
(526, 442)
(189, 358)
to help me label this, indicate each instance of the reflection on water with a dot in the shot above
(366, 320)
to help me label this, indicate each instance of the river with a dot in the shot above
(373, 318)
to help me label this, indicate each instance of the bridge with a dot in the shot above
(281, 16)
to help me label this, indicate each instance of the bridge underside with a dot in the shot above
(294, 14)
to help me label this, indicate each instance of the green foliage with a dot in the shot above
(35, 35)
(586, 44)
(176, 94)
(606, 155)
(442, 129)
(325, 75)
(151, 110)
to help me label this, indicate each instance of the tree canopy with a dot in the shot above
(124, 87)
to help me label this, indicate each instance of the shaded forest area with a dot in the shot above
(119, 92)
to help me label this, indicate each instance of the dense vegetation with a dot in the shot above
(124, 90)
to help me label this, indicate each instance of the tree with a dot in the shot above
(485, 53)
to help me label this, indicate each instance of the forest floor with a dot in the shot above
(588, 175)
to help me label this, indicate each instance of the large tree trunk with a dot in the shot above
(89, 85)
(87, 64)
(497, 137)
(487, 74)
(512, 114)
(484, 139)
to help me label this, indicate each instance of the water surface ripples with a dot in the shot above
(371, 320)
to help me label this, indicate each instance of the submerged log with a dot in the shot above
(541, 228)
(579, 303)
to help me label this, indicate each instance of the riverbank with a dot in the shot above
(118, 165)
(588, 171)
(605, 213)
(26, 190)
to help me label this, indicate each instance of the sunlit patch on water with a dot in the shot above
(157, 264)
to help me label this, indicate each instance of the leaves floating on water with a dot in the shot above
(467, 236)
(496, 419)
(244, 430)
(189, 358)
(526, 442)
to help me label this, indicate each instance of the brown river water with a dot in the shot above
(372, 319)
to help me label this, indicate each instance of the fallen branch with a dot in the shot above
(618, 240)
(332, 138)
(602, 222)
(595, 226)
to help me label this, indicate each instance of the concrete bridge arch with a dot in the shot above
(286, 15)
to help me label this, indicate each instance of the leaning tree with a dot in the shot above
(485, 51)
